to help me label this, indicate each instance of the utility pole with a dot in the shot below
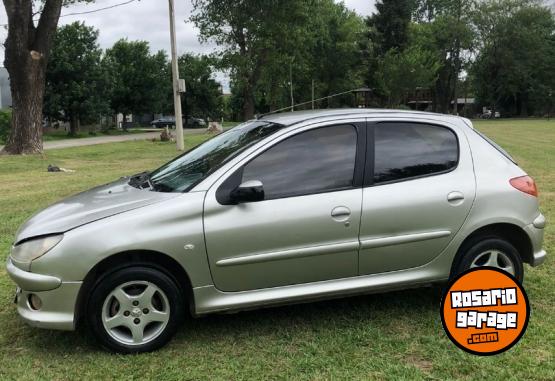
(176, 87)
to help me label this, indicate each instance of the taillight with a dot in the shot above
(525, 184)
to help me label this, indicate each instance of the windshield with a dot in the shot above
(182, 173)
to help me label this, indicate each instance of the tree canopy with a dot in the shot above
(275, 50)
(513, 70)
(77, 81)
(204, 94)
(141, 79)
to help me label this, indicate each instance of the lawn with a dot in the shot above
(387, 336)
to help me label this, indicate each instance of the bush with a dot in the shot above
(5, 120)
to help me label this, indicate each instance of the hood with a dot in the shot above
(92, 205)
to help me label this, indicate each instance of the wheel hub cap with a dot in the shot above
(494, 258)
(136, 313)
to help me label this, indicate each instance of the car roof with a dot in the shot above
(290, 118)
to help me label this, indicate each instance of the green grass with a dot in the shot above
(388, 336)
(227, 125)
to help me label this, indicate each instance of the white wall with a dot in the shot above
(5, 94)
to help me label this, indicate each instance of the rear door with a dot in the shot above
(419, 188)
(306, 229)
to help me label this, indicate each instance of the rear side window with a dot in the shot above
(316, 161)
(407, 150)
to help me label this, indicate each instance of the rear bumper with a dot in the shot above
(535, 231)
(539, 258)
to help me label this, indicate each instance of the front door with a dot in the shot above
(418, 194)
(306, 228)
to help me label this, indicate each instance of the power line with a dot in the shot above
(91, 11)
(305, 103)
(99, 9)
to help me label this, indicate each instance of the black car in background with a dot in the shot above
(169, 121)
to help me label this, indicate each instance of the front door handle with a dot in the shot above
(455, 198)
(341, 213)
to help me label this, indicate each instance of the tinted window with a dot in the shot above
(185, 171)
(311, 162)
(405, 150)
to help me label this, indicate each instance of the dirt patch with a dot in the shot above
(420, 362)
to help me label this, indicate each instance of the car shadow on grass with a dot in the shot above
(398, 312)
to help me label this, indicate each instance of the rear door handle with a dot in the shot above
(455, 197)
(341, 213)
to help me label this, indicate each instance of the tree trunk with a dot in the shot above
(248, 103)
(26, 54)
(185, 108)
(523, 97)
(74, 124)
(27, 97)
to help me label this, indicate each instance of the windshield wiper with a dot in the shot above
(150, 183)
(139, 180)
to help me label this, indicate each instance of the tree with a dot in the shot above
(390, 24)
(27, 50)
(514, 68)
(402, 72)
(445, 28)
(141, 80)
(332, 57)
(204, 95)
(76, 80)
(387, 29)
(287, 48)
(336, 59)
(251, 33)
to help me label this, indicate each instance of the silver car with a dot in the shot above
(288, 208)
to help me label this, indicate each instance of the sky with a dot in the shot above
(148, 20)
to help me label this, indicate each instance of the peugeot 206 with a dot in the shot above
(287, 208)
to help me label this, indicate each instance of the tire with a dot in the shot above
(502, 255)
(134, 310)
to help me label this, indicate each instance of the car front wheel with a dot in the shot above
(135, 309)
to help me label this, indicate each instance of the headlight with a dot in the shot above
(30, 250)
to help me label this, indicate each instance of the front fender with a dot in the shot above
(173, 227)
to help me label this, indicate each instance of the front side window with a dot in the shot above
(182, 173)
(408, 150)
(316, 161)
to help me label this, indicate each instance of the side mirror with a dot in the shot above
(249, 191)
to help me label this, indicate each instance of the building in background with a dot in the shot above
(5, 94)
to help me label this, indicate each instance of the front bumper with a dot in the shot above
(31, 281)
(59, 299)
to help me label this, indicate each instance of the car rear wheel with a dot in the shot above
(491, 252)
(134, 310)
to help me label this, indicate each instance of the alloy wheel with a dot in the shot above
(135, 313)
(494, 258)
